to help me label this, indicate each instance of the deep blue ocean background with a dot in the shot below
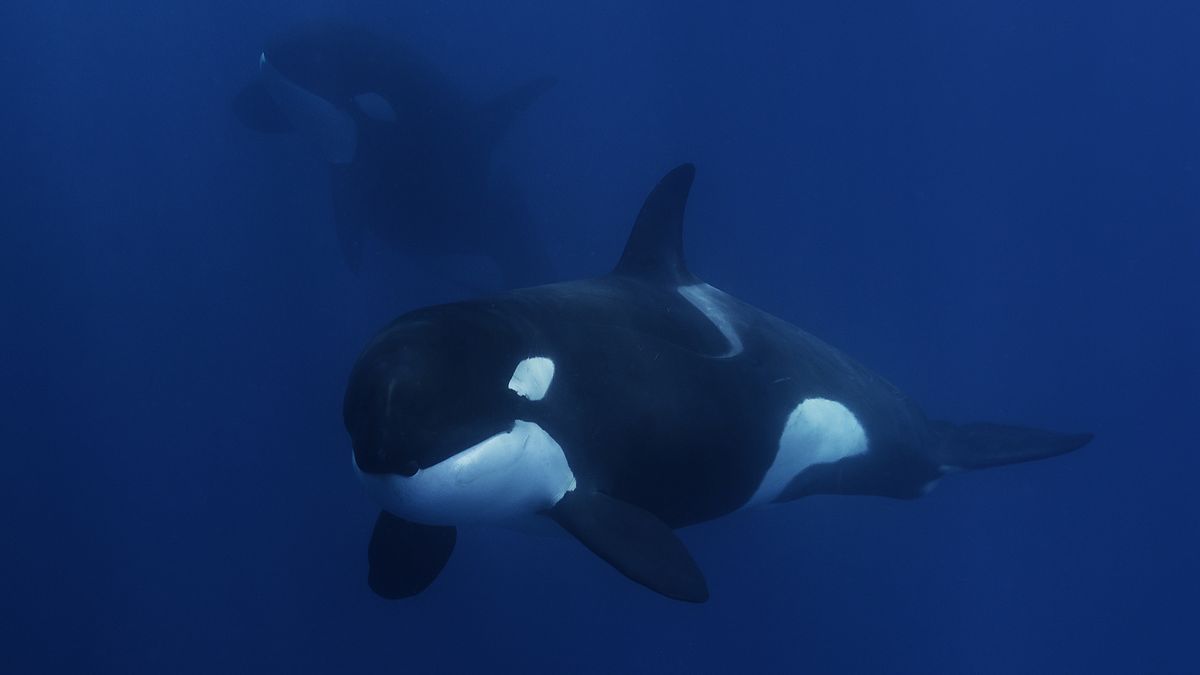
(993, 204)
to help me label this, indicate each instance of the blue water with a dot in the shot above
(993, 204)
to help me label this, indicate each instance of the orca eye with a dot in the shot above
(532, 377)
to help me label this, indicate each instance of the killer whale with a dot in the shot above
(409, 155)
(624, 407)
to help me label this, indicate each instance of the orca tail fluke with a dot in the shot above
(981, 445)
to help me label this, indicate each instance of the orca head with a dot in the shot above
(310, 59)
(442, 409)
(307, 83)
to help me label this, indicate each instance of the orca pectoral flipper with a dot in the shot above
(634, 541)
(406, 557)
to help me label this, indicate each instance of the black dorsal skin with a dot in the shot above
(669, 400)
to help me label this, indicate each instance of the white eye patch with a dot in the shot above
(532, 378)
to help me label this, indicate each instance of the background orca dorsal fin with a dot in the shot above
(655, 247)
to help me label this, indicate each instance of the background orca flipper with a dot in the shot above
(497, 115)
(655, 246)
(633, 540)
(255, 108)
(406, 557)
(982, 445)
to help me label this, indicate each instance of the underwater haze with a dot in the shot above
(994, 205)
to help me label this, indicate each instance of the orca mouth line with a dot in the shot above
(511, 474)
(406, 469)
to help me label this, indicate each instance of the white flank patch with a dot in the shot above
(708, 300)
(532, 378)
(514, 474)
(818, 431)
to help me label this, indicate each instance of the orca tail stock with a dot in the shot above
(982, 445)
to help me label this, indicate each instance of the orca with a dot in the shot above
(623, 408)
(409, 155)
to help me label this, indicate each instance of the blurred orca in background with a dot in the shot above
(409, 155)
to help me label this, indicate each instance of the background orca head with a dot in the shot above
(433, 384)
(316, 58)
(317, 80)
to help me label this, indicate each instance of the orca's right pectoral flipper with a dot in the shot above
(633, 540)
(406, 557)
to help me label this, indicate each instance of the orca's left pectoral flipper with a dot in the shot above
(633, 540)
(406, 557)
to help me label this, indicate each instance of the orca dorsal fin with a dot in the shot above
(655, 247)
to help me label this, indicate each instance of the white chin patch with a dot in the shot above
(510, 475)
(532, 378)
(818, 431)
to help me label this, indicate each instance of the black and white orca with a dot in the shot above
(409, 155)
(625, 407)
